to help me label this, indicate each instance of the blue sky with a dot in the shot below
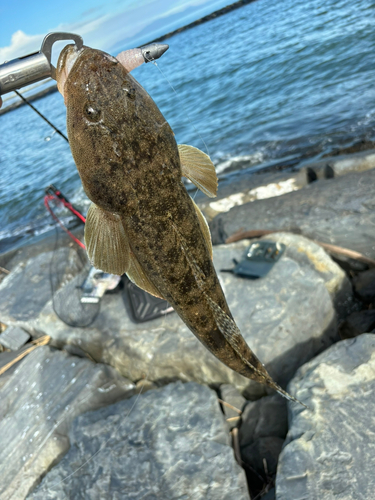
(105, 25)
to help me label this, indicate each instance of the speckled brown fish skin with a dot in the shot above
(128, 161)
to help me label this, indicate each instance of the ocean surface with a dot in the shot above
(271, 81)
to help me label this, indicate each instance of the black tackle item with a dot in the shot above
(142, 306)
(258, 260)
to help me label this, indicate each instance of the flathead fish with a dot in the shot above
(142, 221)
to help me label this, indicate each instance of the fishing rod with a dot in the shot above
(41, 115)
(54, 194)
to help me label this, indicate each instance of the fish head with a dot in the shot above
(102, 100)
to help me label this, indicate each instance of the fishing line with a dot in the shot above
(41, 115)
(178, 97)
(187, 114)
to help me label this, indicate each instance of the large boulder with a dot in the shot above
(169, 443)
(340, 211)
(39, 401)
(286, 317)
(330, 448)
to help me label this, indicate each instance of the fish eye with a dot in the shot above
(91, 113)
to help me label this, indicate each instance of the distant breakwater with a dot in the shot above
(204, 19)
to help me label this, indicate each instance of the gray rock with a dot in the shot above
(313, 256)
(233, 397)
(7, 357)
(286, 318)
(39, 401)
(28, 288)
(337, 166)
(169, 443)
(340, 211)
(277, 178)
(330, 447)
(14, 338)
(263, 418)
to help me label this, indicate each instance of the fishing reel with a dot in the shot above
(34, 67)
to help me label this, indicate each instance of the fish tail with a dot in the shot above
(231, 332)
(233, 336)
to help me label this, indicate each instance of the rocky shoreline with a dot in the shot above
(170, 420)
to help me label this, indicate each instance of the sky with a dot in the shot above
(106, 25)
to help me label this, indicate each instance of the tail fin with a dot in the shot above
(233, 336)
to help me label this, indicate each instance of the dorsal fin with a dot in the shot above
(199, 169)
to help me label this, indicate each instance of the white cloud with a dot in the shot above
(21, 44)
(102, 32)
(96, 33)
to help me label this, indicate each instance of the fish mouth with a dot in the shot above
(67, 59)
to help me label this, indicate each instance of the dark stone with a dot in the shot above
(357, 323)
(364, 286)
(305, 279)
(270, 495)
(263, 454)
(263, 418)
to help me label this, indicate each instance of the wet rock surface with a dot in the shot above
(39, 400)
(330, 447)
(173, 443)
(286, 318)
(340, 211)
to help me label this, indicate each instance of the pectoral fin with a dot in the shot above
(204, 228)
(199, 169)
(137, 275)
(106, 243)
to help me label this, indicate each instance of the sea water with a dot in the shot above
(268, 81)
